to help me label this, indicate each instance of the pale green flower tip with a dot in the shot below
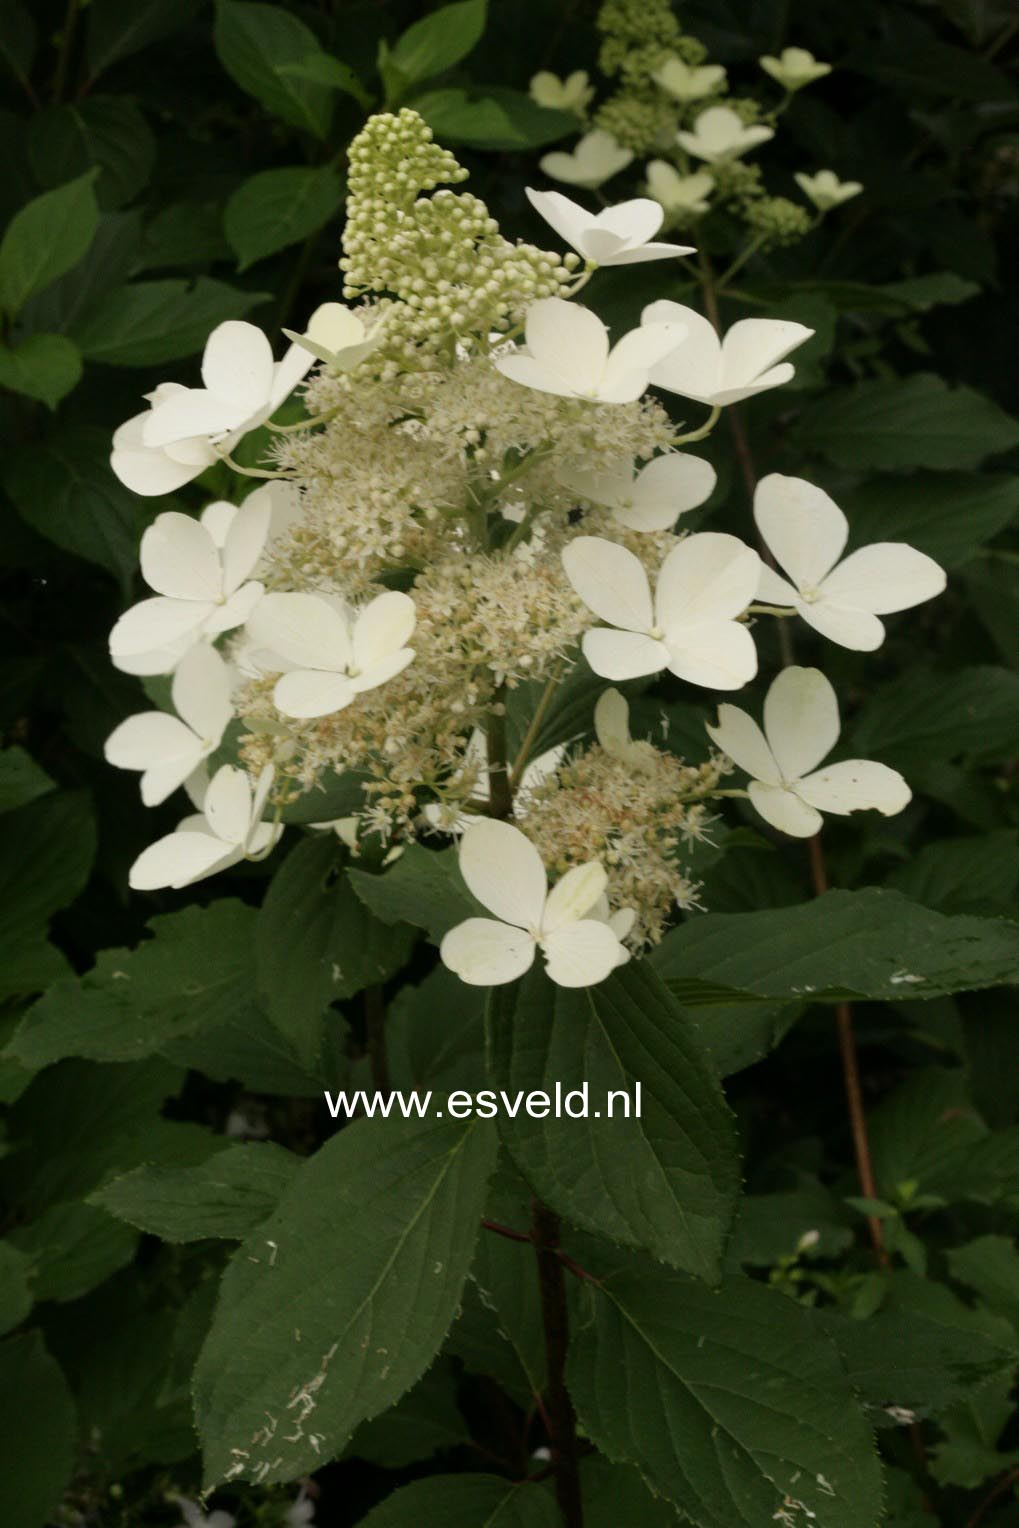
(795, 68)
(574, 93)
(825, 189)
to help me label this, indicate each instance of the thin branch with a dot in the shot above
(1005, 1483)
(540, 712)
(559, 1407)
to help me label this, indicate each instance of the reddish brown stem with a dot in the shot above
(1005, 1483)
(558, 1406)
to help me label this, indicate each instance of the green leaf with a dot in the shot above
(46, 853)
(19, 38)
(912, 58)
(255, 43)
(963, 875)
(277, 208)
(44, 366)
(466, 1501)
(726, 1399)
(770, 1227)
(227, 1196)
(922, 1133)
(15, 1294)
(147, 322)
(615, 1494)
(342, 1297)
(46, 238)
(423, 887)
(326, 69)
(439, 41)
(435, 1033)
(990, 1265)
(316, 942)
(337, 795)
(118, 28)
(947, 515)
(194, 972)
(925, 717)
(37, 1440)
(105, 133)
(112, 257)
(492, 118)
(249, 1049)
(918, 421)
(844, 946)
(74, 1247)
(64, 488)
(936, 289)
(421, 1423)
(666, 1180)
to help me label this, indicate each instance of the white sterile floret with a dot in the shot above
(687, 82)
(567, 354)
(331, 652)
(750, 359)
(612, 729)
(801, 726)
(167, 749)
(595, 158)
(618, 236)
(453, 816)
(620, 922)
(504, 871)
(652, 498)
(338, 336)
(806, 532)
(794, 68)
(678, 193)
(301, 1511)
(228, 828)
(690, 628)
(201, 571)
(571, 94)
(151, 470)
(196, 1517)
(719, 135)
(825, 189)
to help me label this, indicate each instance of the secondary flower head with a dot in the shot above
(678, 193)
(568, 354)
(503, 870)
(167, 749)
(750, 359)
(337, 336)
(806, 532)
(201, 571)
(719, 135)
(686, 82)
(227, 829)
(595, 159)
(690, 627)
(618, 236)
(652, 498)
(825, 189)
(331, 652)
(801, 726)
(794, 68)
(571, 94)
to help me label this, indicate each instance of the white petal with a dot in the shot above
(534, 374)
(694, 368)
(156, 624)
(149, 738)
(739, 736)
(753, 345)
(623, 654)
(633, 359)
(611, 581)
(313, 692)
(245, 542)
(784, 810)
(720, 655)
(228, 804)
(382, 628)
(201, 693)
(802, 527)
(304, 629)
(667, 488)
(178, 859)
(161, 780)
(801, 720)
(237, 366)
(573, 896)
(179, 558)
(709, 576)
(569, 340)
(634, 222)
(773, 589)
(856, 785)
(503, 869)
(567, 218)
(611, 488)
(194, 411)
(382, 671)
(776, 377)
(644, 252)
(217, 518)
(884, 577)
(581, 954)
(484, 953)
(234, 611)
(612, 722)
(857, 629)
(145, 470)
(294, 366)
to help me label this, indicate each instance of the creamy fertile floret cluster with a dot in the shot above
(483, 498)
(672, 108)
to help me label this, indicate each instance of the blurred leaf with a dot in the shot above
(119, 28)
(922, 717)
(152, 321)
(37, 1441)
(107, 133)
(325, 69)
(46, 853)
(492, 118)
(422, 1422)
(466, 1501)
(19, 38)
(423, 887)
(440, 40)
(73, 1247)
(44, 366)
(15, 1294)
(963, 875)
(277, 208)
(46, 238)
(947, 515)
(21, 779)
(227, 1196)
(255, 44)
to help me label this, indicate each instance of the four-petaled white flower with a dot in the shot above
(719, 135)
(201, 570)
(228, 828)
(167, 749)
(504, 871)
(719, 372)
(687, 82)
(801, 726)
(612, 729)
(653, 498)
(570, 94)
(595, 158)
(794, 68)
(618, 236)
(568, 354)
(678, 193)
(825, 189)
(338, 337)
(690, 628)
(806, 532)
(329, 651)
(150, 470)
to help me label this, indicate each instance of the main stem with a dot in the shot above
(562, 1423)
